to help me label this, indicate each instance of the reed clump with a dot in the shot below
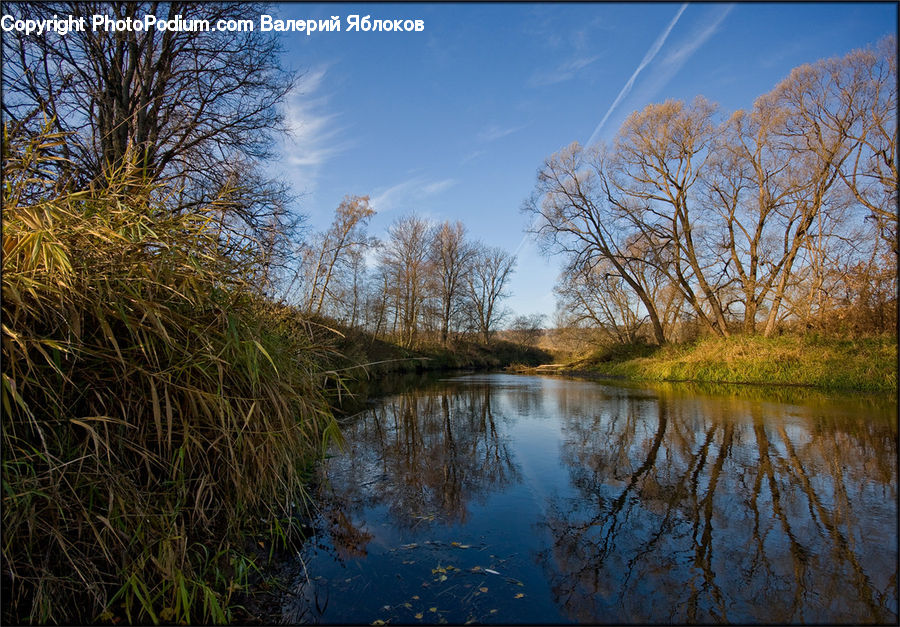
(158, 412)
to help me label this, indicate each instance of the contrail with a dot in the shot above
(651, 53)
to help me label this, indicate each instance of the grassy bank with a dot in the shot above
(867, 364)
(159, 415)
(358, 355)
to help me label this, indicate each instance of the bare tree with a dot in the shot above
(450, 256)
(195, 109)
(660, 155)
(336, 248)
(871, 171)
(572, 215)
(818, 102)
(486, 286)
(597, 295)
(750, 183)
(405, 266)
(527, 330)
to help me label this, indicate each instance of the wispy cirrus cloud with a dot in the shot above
(648, 57)
(669, 63)
(493, 132)
(314, 133)
(675, 59)
(408, 194)
(563, 72)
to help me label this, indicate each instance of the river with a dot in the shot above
(523, 499)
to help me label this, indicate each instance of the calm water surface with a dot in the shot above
(516, 499)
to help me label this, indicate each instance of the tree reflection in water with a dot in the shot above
(712, 510)
(424, 456)
(571, 500)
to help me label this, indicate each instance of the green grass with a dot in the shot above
(865, 364)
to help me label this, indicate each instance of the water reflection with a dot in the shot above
(424, 456)
(706, 510)
(610, 504)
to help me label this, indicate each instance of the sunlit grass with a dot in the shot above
(158, 413)
(866, 363)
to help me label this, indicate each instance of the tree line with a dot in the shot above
(784, 215)
(428, 281)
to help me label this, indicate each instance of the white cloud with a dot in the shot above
(671, 64)
(675, 59)
(408, 194)
(563, 72)
(314, 136)
(648, 57)
(494, 132)
(668, 66)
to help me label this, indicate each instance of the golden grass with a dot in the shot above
(866, 363)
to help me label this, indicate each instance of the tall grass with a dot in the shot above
(158, 412)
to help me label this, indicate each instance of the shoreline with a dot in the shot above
(866, 364)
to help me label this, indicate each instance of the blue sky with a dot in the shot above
(453, 122)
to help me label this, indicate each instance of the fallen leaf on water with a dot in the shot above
(483, 589)
(493, 611)
(443, 578)
(378, 622)
(432, 609)
(419, 615)
(415, 597)
(519, 596)
(407, 606)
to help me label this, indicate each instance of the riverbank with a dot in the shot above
(359, 355)
(864, 364)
